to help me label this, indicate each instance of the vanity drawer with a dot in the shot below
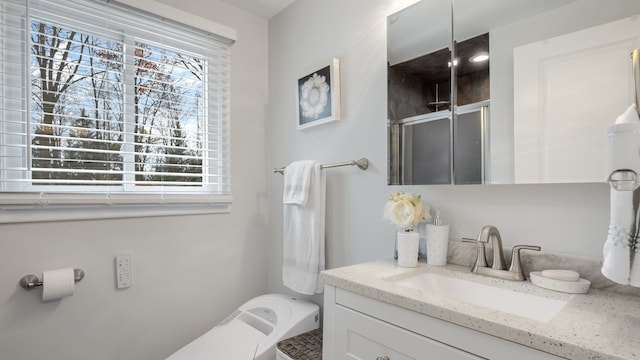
(358, 336)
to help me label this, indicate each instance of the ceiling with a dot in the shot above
(263, 8)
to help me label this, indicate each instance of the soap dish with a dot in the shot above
(579, 286)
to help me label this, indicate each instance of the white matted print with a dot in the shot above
(318, 95)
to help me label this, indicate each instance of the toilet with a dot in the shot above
(253, 330)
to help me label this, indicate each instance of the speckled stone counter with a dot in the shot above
(596, 325)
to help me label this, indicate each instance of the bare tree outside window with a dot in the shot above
(78, 113)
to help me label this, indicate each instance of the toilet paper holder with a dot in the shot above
(31, 281)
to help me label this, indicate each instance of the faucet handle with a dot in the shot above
(481, 260)
(516, 266)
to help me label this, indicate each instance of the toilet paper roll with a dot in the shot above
(57, 284)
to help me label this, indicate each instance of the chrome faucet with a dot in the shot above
(498, 267)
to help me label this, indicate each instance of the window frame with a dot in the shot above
(42, 204)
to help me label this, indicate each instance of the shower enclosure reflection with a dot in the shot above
(436, 147)
(457, 125)
(431, 141)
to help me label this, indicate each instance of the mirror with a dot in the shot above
(559, 72)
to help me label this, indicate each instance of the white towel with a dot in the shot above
(617, 255)
(634, 248)
(620, 261)
(303, 247)
(297, 177)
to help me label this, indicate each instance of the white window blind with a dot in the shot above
(103, 103)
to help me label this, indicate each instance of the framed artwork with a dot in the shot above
(318, 96)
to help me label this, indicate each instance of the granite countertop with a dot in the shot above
(596, 325)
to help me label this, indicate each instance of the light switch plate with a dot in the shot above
(123, 271)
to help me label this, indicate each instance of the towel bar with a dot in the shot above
(361, 163)
(31, 281)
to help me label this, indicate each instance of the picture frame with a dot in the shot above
(318, 96)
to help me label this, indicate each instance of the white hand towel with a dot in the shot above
(617, 255)
(621, 261)
(303, 247)
(634, 248)
(297, 177)
(629, 116)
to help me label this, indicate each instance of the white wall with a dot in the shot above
(189, 272)
(561, 218)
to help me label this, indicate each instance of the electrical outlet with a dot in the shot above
(123, 271)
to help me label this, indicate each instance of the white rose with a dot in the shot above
(401, 213)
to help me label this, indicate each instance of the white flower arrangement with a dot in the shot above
(405, 210)
(315, 95)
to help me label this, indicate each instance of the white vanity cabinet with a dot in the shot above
(359, 336)
(358, 327)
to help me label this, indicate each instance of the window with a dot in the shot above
(101, 103)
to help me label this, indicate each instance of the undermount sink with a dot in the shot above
(530, 306)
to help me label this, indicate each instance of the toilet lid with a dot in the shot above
(233, 340)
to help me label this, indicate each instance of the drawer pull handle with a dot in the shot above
(382, 358)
